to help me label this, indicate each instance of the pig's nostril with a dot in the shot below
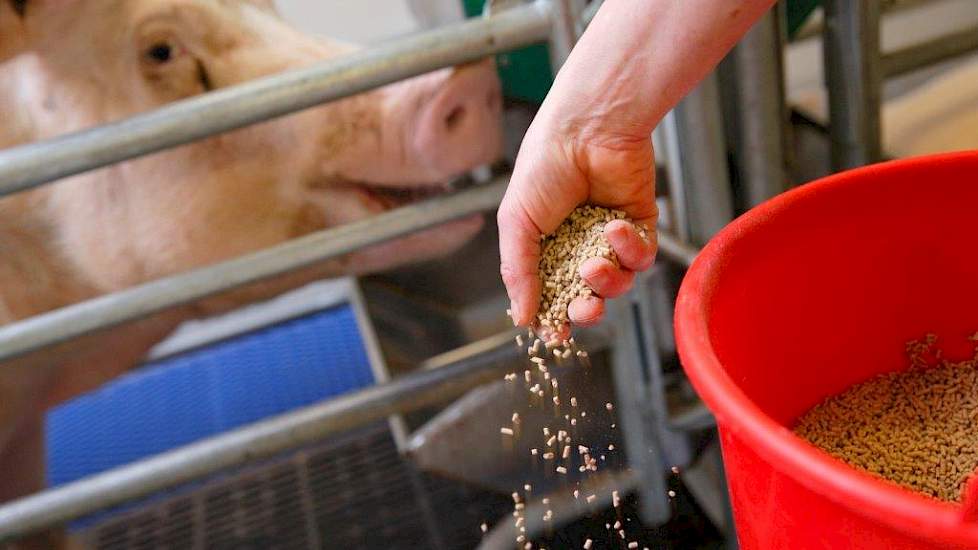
(493, 101)
(455, 118)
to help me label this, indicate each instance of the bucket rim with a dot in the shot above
(897, 508)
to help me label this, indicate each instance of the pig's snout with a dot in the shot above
(460, 127)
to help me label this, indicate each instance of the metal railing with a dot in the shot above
(259, 440)
(185, 121)
(28, 166)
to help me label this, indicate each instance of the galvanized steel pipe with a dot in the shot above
(259, 440)
(143, 300)
(28, 166)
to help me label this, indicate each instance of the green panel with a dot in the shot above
(798, 12)
(526, 74)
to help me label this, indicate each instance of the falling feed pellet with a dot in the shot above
(609, 406)
(633, 544)
(618, 524)
(484, 527)
(579, 238)
(915, 427)
(675, 469)
(671, 493)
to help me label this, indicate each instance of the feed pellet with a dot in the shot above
(917, 428)
(578, 238)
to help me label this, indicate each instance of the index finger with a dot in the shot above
(519, 251)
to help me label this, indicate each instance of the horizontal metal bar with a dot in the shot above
(675, 249)
(262, 439)
(27, 166)
(696, 417)
(564, 508)
(927, 53)
(140, 301)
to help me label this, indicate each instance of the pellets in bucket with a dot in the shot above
(916, 427)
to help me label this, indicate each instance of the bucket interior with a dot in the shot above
(823, 288)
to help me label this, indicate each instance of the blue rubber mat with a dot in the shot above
(203, 392)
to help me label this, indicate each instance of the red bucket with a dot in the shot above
(806, 295)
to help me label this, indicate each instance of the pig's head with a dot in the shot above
(72, 64)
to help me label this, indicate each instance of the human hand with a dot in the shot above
(561, 166)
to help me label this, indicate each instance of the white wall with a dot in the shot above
(368, 21)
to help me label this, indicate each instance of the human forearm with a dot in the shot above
(638, 58)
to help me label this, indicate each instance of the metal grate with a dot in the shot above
(354, 492)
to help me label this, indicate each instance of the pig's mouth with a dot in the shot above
(390, 197)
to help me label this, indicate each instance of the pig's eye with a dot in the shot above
(160, 53)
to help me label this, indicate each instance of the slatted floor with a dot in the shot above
(353, 493)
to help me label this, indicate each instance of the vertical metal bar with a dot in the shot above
(702, 161)
(564, 33)
(650, 318)
(642, 446)
(761, 112)
(854, 78)
(665, 137)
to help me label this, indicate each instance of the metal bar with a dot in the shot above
(262, 439)
(854, 79)
(921, 55)
(28, 166)
(761, 114)
(565, 509)
(563, 36)
(888, 6)
(140, 301)
(695, 418)
(702, 161)
(643, 447)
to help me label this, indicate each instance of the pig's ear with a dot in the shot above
(13, 28)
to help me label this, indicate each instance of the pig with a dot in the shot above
(66, 65)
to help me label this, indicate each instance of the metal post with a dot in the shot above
(642, 444)
(564, 33)
(700, 167)
(854, 78)
(182, 122)
(259, 440)
(113, 309)
(761, 115)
